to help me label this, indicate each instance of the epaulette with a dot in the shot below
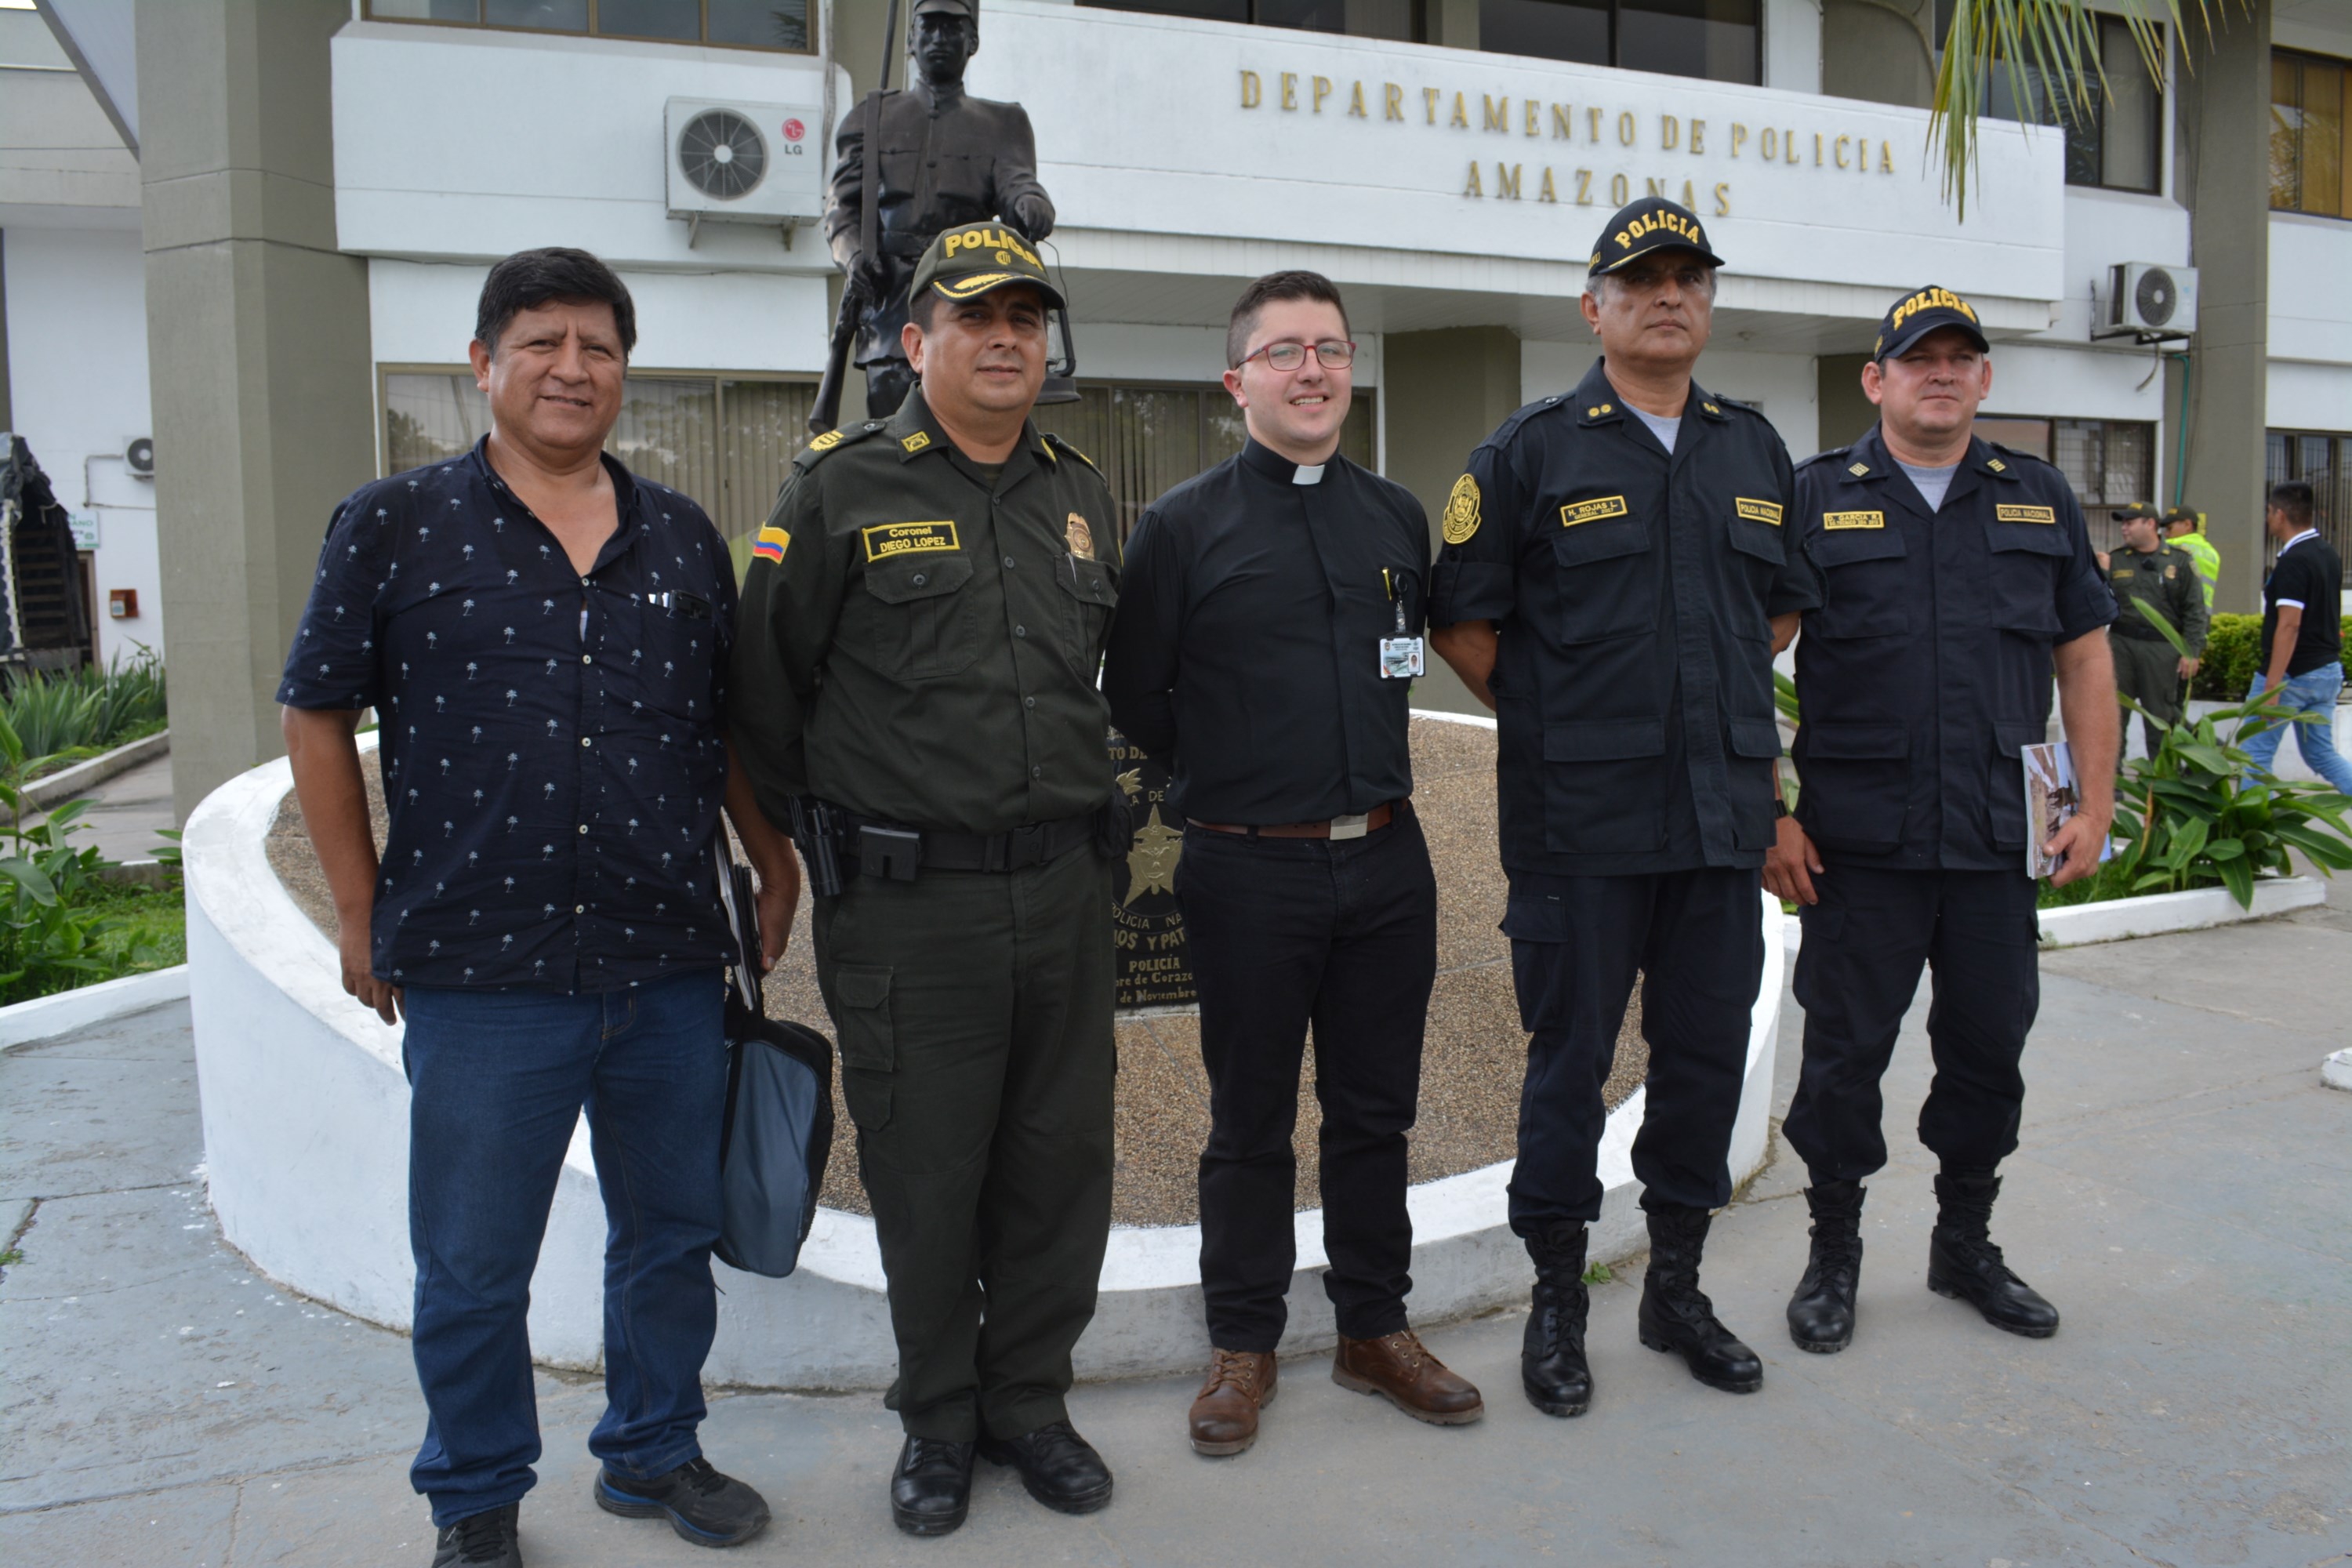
(1519, 416)
(815, 452)
(2005, 460)
(1055, 444)
(1830, 455)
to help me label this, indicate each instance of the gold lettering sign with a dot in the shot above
(2025, 514)
(1835, 519)
(1578, 511)
(1757, 511)
(884, 539)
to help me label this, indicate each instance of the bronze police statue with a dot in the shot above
(945, 159)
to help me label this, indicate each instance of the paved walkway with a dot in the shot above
(128, 811)
(2182, 1195)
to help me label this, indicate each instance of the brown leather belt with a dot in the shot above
(1373, 821)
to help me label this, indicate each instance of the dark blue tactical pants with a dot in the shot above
(1696, 938)
(1864, 945)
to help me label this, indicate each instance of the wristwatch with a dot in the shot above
(1780, 808)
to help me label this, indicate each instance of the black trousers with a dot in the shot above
(1284, 934)
(1697, 937)
(1856, 972)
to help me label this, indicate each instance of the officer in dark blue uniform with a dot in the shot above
(1616, 573)
(1956, 578)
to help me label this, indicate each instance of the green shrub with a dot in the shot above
(2231, 646)
(85, 710)
(58, 928)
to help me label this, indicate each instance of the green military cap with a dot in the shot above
(979, 258)
(2186, 514)
(2138, 509)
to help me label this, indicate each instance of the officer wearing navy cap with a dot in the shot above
(1616, 574)
(1956, 578)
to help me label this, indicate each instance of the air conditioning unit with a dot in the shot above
(140, 458)
(744, 162)
(2149, 302)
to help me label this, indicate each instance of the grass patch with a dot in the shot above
(155, 918)
(59, 762)
(1598, 1274)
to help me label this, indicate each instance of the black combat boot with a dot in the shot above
(1551, 1358)
(1676, 1316)
(1821, 1314)
(1964, 1264)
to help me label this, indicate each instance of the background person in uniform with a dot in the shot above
(1956, 575)
(946, 158)
(2152, 573)
(2302, 658)
(1615, 578)
(923, 620)
(2184, 529)
(1268, 633)
(545, 639)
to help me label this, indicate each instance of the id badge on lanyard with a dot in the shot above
(1400, 656)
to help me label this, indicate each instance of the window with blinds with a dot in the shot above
(2108, 463)
(724, 440)
(2324, 460)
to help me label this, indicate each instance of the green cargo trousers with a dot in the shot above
(2148, 672)
(974, 1011)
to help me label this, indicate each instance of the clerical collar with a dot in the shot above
(1281, 470)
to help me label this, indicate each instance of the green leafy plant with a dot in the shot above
(80, 712)
(2232, 646)
(51, 939)
(2195, 815)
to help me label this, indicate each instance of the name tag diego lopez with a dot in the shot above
(883, 539)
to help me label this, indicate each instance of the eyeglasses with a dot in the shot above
(1335, 354)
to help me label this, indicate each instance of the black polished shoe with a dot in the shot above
(1821, 1314)
(1552, 1368)
(480, 1540)
(1675, 1316)
(1060, 1469)
(931, 1491)
(701, 1505)
(1964, 1264)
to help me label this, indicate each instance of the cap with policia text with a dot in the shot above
(1651, 224)
(2137, 510)
(980, 258)
(1922, 312)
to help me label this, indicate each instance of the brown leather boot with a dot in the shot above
(1399, 1367)
(1225, 1413)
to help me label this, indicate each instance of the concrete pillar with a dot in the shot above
(2229, 243)
(1847, 414)
(257, 339)
(1453, 23)
(1447, 390)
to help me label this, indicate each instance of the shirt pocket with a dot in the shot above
(1606, 588)
(1091, 592)
(1865, 592)
(928, 627)
(1855, 783)
(2029, 559)
(1602, 789)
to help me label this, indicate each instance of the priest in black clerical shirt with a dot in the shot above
(1269, 631)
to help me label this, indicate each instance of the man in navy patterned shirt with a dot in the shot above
(545, 640)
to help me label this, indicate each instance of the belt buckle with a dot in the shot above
(1351, 825)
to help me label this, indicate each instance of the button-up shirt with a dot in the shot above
(1246, 656)
(1633, 591)
(921, 638)
(553, 762)
(1928, 668)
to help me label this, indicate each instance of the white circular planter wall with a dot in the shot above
(306, 1148)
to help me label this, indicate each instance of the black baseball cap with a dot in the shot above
(1651, 224)
(978, 259)
(1921, 312)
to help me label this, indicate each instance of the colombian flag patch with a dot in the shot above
(770, 544)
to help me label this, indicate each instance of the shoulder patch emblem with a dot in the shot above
(769, 544)
(1577, 512)
(1997, 466)
(884, 539)
(1757, 511)
(1081, 537)
(1837, 520)
(826, 442)
(1857, 470)
(2025, 514)
(916, 442)
(1461, 519)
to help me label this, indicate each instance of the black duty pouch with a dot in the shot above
(892, 852)
(1115, 826)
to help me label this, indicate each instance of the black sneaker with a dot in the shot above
(701, 1505)
(480, 1540)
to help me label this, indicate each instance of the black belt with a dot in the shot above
(879, 848)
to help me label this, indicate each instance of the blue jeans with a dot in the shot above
(496, 1082)
(2311, 693)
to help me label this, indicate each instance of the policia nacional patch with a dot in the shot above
(1461, 520)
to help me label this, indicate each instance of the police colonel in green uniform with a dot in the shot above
(922, 622)
(2164, 578)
